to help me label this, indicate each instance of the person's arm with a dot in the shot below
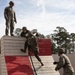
(5, 13)
(60, 64)
(22, 34)
(15, 18)
(28, 34)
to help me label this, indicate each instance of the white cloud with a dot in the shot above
(2, 27)
(62, 4)
(45, 21)
(41, 4)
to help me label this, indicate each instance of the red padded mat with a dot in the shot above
(44, 47)
(18, 65)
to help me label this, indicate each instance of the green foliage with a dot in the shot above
(62, 38)
(72, 38)
(54, 50)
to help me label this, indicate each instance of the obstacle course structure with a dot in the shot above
(15, 62)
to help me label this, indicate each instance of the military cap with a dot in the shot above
(61, 50)
(11, 2)
(24, 28)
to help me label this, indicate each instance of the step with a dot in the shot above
(12, 45)
(47, 69)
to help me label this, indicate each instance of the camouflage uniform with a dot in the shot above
(10, 18)
(31, 43)
(66, 64)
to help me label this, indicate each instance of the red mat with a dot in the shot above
(44, 47)
(18, 65)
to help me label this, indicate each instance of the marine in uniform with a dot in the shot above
(30, 43)
(10, 18)
(64, 62)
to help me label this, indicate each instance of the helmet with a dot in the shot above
(61, 50)
(24, 28)
(11, 2)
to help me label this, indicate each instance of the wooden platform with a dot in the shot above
(47, 69)
(10, 49)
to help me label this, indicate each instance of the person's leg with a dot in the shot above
(7, 27)
(38, 58)
(11, 27)
(34, 50)
(25, 46)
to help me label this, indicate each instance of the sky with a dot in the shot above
(43, 15)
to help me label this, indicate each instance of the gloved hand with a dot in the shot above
(55, 63)
(56, 69)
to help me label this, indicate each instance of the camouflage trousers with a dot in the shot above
(32, 47)
(9, 25)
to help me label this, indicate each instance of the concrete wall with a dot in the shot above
(71, 57)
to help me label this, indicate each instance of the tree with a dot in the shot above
(48, 36)
(72, 38)
(54, 50)
(61, 37)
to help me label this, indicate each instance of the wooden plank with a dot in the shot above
(47, 69)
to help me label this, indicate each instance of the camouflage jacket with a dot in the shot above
(9, 13)
(66, 64)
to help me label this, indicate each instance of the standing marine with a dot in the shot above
(10, 18)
